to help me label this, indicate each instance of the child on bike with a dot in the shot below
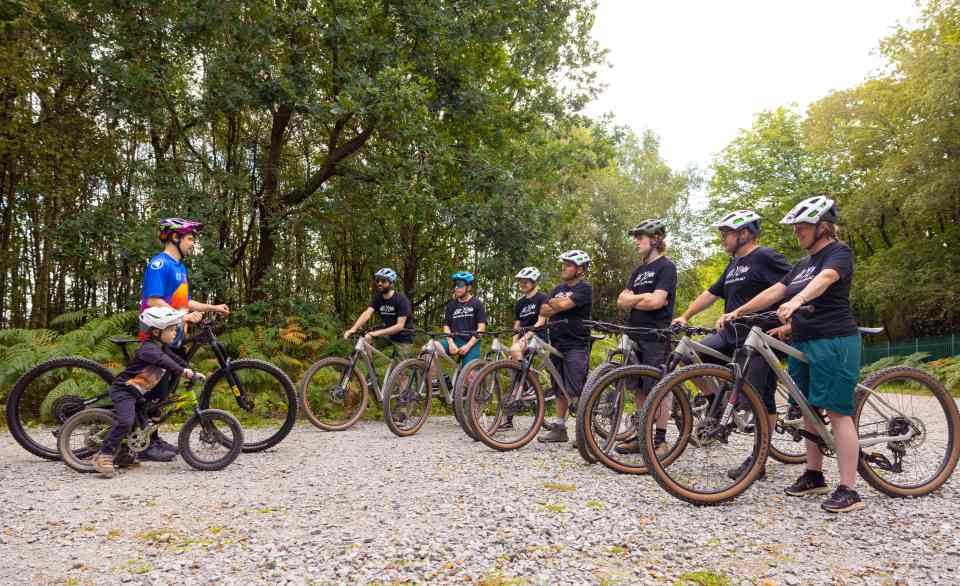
(139, 381)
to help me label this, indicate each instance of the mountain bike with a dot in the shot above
(334, 392)
(511, 389)
(412, 384)
(210, 439)
(906, 421)
(47, 395)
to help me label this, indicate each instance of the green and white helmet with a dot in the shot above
(740, 219)
(577, 257)
(651, 227)
(812, 210)
(532, 273)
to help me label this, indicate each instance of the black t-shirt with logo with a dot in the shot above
(573, 334)
(831, 316)
(659, 274)
(464, 317)
(527, 311)
(747, 276)
(391, 309)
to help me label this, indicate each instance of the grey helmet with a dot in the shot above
(577, 257)
(812, 210)
(740, 219)
(651, 227)
(532, 273)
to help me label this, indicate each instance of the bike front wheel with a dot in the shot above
(406, 397)
(210, 440)
(263, 400)
(460, 388)
(708, 468)
(498, 395)
(333, 395)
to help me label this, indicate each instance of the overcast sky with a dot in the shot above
(695, 71)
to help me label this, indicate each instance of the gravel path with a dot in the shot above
(363, 506)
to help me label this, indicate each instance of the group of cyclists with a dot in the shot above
(756, 278)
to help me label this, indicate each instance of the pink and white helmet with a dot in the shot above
(181, 226)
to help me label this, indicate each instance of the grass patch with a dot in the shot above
(617, 550)
(559, 486)
(595, 505)
(555, 507)
(498, 579)
(703, 578)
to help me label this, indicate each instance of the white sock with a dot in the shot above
(560, 422)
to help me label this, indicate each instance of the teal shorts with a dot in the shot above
(829, 379)
(472, 355)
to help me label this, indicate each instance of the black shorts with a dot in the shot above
(649, 353)
(573, 367)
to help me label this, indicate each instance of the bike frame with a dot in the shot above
(366, 349)
(761, 343)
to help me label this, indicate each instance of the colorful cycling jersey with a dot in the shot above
(166, 278)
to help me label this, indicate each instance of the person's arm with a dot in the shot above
(364, 318)
(763, 300)
(814, 289)
(394, 329)
(556, 305)
(516, 326)
(702, 302)
(481, 327)
(203, 307)
(154, 355)
(627, 299)
(651, 301)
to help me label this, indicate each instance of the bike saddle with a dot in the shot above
(124, 341)
(866, 331)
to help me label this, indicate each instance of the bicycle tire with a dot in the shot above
(585, 422)
(289, 397)
(592, 378)
(303, 387)
(658, 468)
(949, 406)
(782, 456)
(484, 434)
(233, 450)
(460, 396)
(416, 365)
(104, 417)
(16, 400)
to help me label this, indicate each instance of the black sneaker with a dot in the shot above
(155, 453)
(556, 435)
(159, 441)
(631, 446)
(843, 500)
(737, 472)
(508, 424)
(810, 482)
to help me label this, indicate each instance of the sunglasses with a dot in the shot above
(459, 285)
(382, 281)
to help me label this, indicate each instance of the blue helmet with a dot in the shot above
(386, 273)
(465, 276)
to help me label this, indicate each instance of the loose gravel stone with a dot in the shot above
(364, 506)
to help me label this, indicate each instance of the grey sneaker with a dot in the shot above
(557, 434)
(843, 500)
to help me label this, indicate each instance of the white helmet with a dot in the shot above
(812, 210)
(160, 318)
(531, 273)
(740, 219)
(577, 257)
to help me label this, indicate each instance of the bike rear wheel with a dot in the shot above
(82, 436)
(47, 395)
(406, 397)
(332, 399)
(697, 473)
(210, 440)
(903, 401)
(498, 392)
(270, 407)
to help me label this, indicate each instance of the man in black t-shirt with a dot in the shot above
(649, 295)
(396, 315)
(751, 270)
(572, 301)
(463, 315)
